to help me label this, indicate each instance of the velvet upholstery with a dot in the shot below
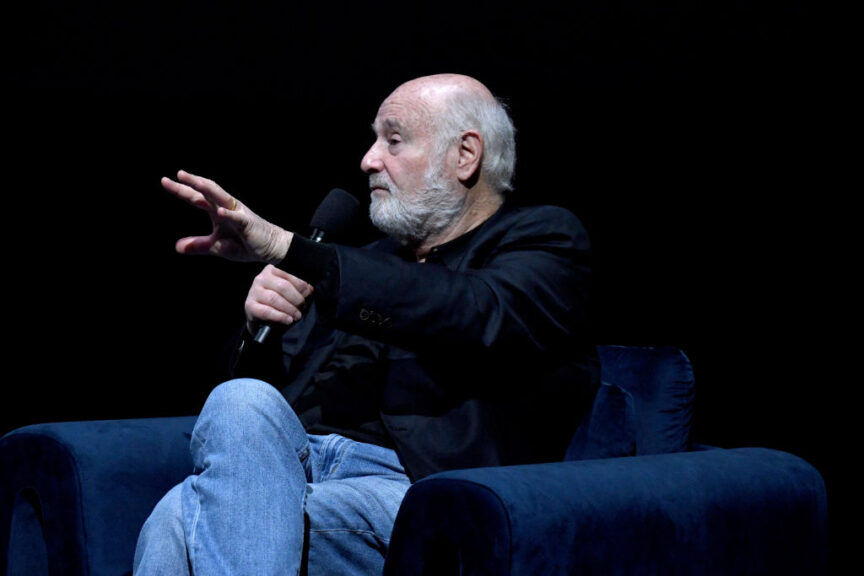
(85, 488)
(661, 382)
(609, 428)
(633, 496)
(644, 405)
(632, 499)
(742, 511)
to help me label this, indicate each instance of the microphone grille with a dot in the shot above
(336, 214)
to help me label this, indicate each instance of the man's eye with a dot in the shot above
(394, 140)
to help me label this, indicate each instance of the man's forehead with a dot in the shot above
(402, 110)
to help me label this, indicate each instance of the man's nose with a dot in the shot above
(371, 161)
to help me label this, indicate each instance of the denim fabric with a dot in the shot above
(266, 498)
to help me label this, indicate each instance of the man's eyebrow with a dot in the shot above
(387, 124)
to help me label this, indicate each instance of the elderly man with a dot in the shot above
(459, 340)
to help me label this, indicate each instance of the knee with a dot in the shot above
(246, 411)
(240, 398)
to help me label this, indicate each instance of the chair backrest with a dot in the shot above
(645, 405)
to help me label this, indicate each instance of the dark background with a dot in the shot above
(694, 139)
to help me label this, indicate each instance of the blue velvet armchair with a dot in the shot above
(632, 496)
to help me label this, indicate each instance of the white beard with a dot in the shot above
(411, 218)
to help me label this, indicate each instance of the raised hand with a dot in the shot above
(238, 233)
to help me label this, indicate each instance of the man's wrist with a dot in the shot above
(281, 244)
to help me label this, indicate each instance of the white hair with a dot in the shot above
(468, 110)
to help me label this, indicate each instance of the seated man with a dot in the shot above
(459, 340)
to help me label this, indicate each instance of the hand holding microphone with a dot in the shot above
(275, 297)
(334, 217)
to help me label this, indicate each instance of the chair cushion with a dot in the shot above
(660, 382)
(645, 405)
(609, 428)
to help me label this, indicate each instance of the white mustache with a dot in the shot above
(379, 181)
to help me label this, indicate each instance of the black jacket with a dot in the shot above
(480, 356)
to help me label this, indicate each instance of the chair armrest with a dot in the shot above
(86, 489)
(715, 511)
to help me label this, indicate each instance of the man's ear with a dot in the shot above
(470, 157)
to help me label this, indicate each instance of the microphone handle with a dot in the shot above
(262, 334)
(264, 331)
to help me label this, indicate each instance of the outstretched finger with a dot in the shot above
(211, 191)
(186, 193)
(195, 245)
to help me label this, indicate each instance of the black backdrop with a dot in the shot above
(688, 138)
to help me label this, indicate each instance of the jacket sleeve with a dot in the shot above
(527, 291)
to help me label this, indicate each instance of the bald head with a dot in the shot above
(451, 104)
(436, 90)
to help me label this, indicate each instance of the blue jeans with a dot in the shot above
(266, 498)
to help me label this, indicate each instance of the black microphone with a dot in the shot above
(334, 217)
